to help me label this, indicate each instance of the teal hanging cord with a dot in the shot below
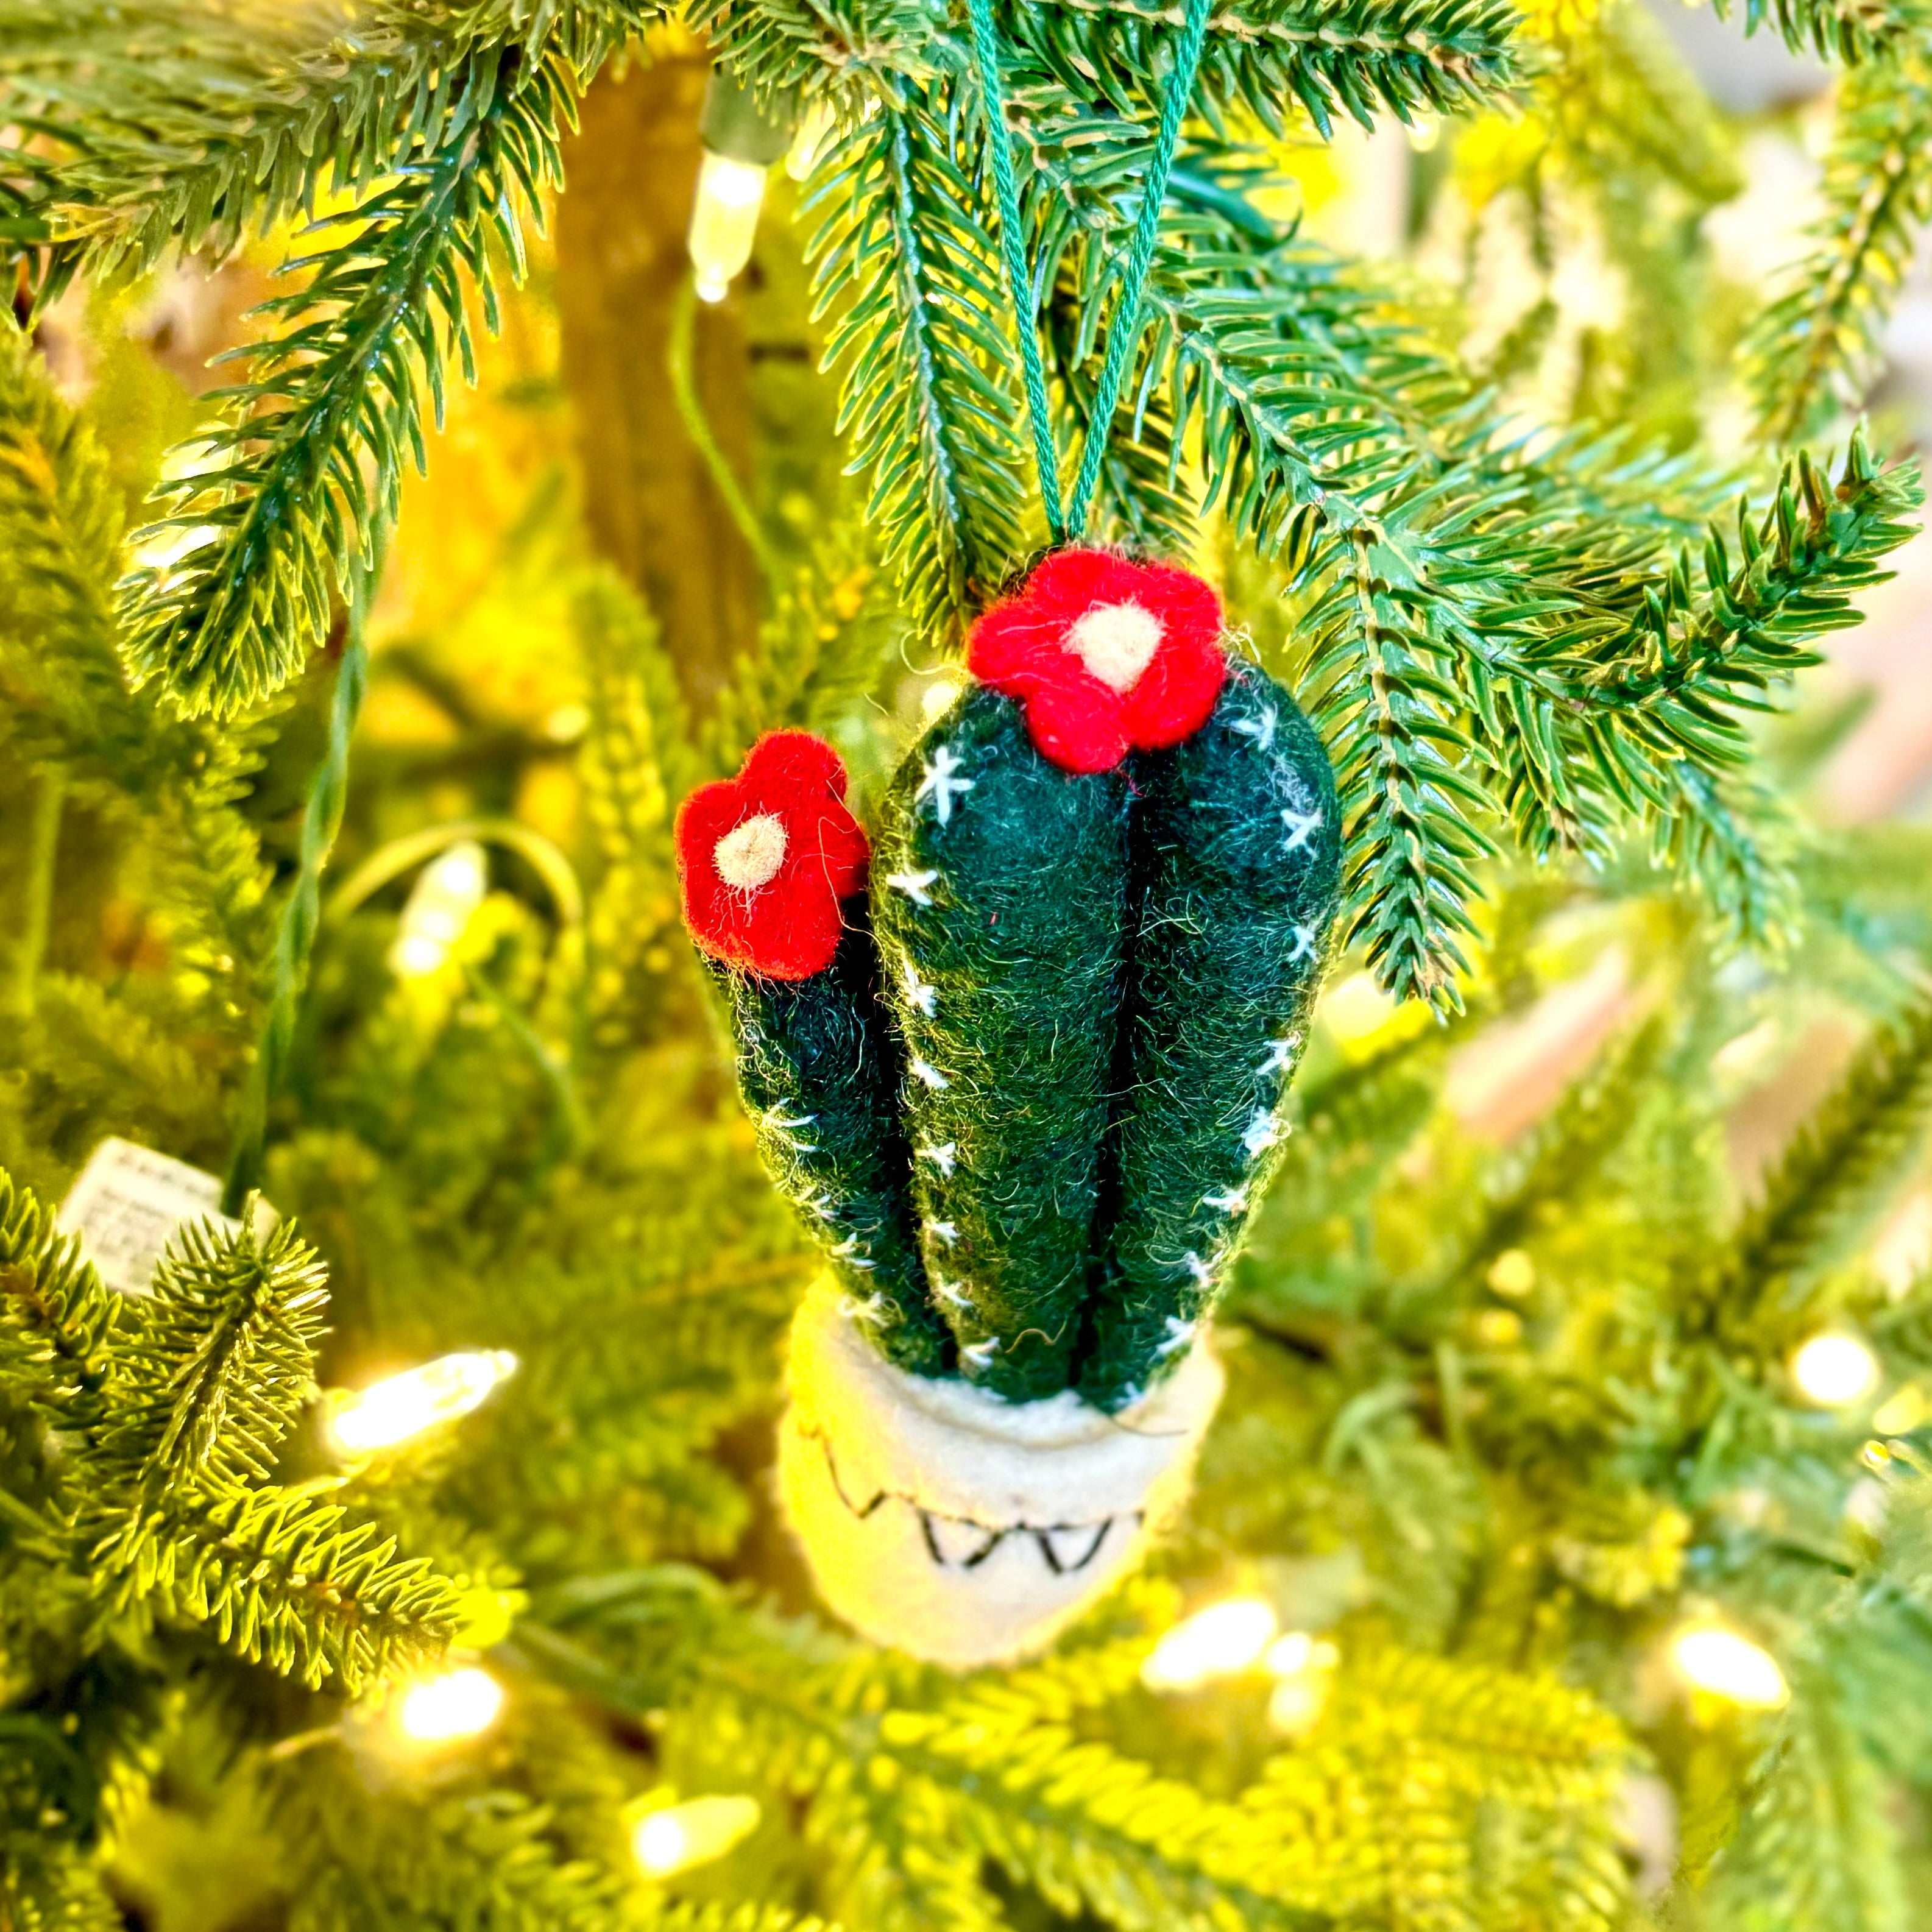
(986, 56)
(295, 936)
(1124, 331)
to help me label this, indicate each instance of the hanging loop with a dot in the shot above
(1124, 330)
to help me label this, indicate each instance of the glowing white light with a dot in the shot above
(1295, 1652)
(814, 132)
(458, 1704)
(937, 697)
(1221, 1641)
(724, 222)
(1296, 1702)
(1834, 1370)
(446, 893)
(679, 1836)
(403, 1405)
(1730, 1665)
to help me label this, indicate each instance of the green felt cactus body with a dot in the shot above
(1027, 1105)
(1236, 861)
(818, 1070)
(999, 896)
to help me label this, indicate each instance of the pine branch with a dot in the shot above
(310, 458)
(406, 1859)
(1420, 56)
(183, 125)
(1408, 838)
(1561, 1160)
(179, 783)
(1813, 352)
(1851, 31)
(818, 653)
(48, 1885)
(55, 1315)
(634, 762)
(1416, 57)
(1829, 1175)
(213, 1373)
(1378, 1814)
(896, 1761)
(1690, 657)
(279, 1578)
(904, 262)
(1816, 1845)
(1736, 837)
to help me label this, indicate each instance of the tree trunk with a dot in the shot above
(652, 507)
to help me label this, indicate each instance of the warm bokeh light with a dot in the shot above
(676, 1837)
(446, 893)
(1301, 1665)
(1900, 1414)
(724, 222)
(1834, 1370)
(1224, 1638)
(1727, 1664)
(405, 1404)
(937, 696)
(458, 1704)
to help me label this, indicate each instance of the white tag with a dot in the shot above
(127, 1203)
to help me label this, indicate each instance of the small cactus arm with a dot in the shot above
(999, 893)
(1236, 861)
(818, 1071)
(772, 869)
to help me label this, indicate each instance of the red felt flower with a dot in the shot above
(1105, 654)
(765, 858)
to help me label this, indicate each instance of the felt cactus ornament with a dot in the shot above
(1027, 1096)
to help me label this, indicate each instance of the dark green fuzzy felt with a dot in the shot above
(819, 1072)
(999, 896)
(1236, 860)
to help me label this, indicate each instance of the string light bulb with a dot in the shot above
(457, 1704)
(1221, 1641)
(1834, 1370)
(446, 894)
(673, 1838)
(1726, 1664)
(359, 1422)
(742, 140)
(1301, 1666)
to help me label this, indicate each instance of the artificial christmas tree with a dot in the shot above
(1558, 1554)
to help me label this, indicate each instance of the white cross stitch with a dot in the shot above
(914, 885)
(921, 997)
(937, 776)
(1300, 825)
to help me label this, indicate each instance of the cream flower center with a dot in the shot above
(750, 856)
(1116, 642)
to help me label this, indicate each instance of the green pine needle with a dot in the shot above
(1813, 352)
(309, 458)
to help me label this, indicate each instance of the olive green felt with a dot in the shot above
(999, 895)
(818, 1069)
(1236, 861)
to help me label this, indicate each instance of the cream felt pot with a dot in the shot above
(962, 1529)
